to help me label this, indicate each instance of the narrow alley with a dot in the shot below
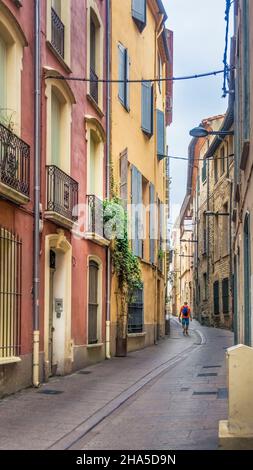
(175, 390)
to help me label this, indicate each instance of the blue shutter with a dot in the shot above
(121, 73)
(127, 76)
(160, 132)
(152, 224)
(147, 107)
(139, 10)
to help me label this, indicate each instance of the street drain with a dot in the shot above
(184, 389)
(209, 374)
(222, 393)
(51, 392)
(84, 372)
(210, 367)
(204, 393)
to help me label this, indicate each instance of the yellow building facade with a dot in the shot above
(140, 49)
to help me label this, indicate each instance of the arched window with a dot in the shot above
(95, 53)
(247, 282)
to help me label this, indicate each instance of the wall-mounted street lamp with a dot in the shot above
(200, 131)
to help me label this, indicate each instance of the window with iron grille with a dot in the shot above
(58, 30)
(135, 312)
(216, 298)
(139, 9)
(10, 294)
(225, 295)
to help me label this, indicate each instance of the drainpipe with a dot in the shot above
(36, 332)
(108, 148)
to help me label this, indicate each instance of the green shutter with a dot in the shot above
(225, 295)
(160, 132)
(216, 298)
(147, 107)
(3, 103)
(55, 131)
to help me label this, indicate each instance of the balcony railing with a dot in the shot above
(94, 85)
(57, 34)
(62, 193)
(14, 161)
(95, 215)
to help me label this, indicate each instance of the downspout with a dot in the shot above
(37, 140)
(108, 148)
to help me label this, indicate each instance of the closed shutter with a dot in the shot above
(147, 107)
(2, 77)
(123, 176)
(55, 131)
(152, 230)
(121, 73)
(127, 92)
(216, 299)
(136, 212)
(160, 132)
(139, 10)
(225, 295)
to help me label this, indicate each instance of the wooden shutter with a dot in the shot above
(55, 130)
(2, 77)
(123, 176)
(121, 73)
(136, 216)
(127, 86)
(147, 108)
(160, 132)
(225, 295)
(152, 230)
(139, 10)
(216, 298)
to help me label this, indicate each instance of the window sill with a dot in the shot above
(95, 105)
(9, 360)
(59, 57)
(136, 335)
(94, 346)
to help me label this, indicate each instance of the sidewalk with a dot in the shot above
(56, 414)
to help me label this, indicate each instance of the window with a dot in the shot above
(93, 303)
(216, 298)
(160, 133)
(10, 294)
(93, 75)
(147, 108)
(57, 33)
(135, 312)
(204, 168)
(95, 157)
(124, 70)
(205, 286)
(204, 235)
(139, 9)
(225, 295)
(216, 171)
(55, 130)
(222, 161)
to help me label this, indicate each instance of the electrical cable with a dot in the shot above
(149, 80)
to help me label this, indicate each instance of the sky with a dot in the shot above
(199, 40)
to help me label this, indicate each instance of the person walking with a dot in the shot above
(185, 314)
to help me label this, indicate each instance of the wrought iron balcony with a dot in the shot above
(94, 85)
(95, 215)
(62, 196)
(14, 166)
(57, 33)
